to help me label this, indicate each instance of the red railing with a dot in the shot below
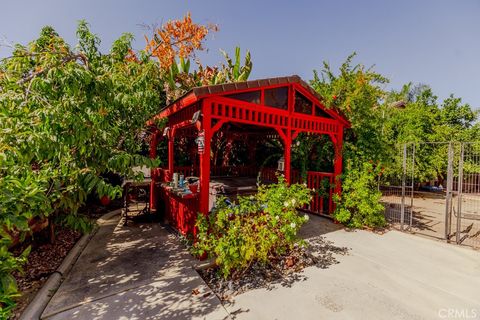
(321, 182)
(323, 185)
(269, 174)
(187, 171)
(224, 108)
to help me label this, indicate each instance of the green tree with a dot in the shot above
(421, 118)
(458, 122)
(358, 93)
(68, 115)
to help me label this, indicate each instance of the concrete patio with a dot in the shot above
(142, 272)
(390, 276)
(138, 271)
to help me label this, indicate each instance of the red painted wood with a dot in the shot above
(205, 160)
(338, 162)
(287, 123)
(171, 159)
(153, 155)
(180, 213)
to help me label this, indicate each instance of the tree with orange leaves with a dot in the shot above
(177, 38)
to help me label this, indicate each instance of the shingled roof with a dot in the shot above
(252, 84)
(200, 92)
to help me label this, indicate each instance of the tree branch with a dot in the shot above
(78, 56)
(174, 44)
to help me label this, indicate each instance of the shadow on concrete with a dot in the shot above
(284, 271)
(318, 226)
(137, 271)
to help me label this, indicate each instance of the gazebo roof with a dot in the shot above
(252, 84)
(198, 93)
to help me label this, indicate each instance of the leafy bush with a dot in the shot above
(68, 114)
(8, 285)
(359, 204)
(255, 229)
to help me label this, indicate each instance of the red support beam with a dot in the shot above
(171, 155)
(153, 155)
(338, 162)
(205, 160)
(288, 138)
(217, 126)
(287, 156)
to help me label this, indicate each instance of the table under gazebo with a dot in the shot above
(246, 113)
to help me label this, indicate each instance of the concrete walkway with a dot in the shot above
(390, 276)
(142, 272)
(139, 271)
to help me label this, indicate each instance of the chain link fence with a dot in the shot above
(434, 190)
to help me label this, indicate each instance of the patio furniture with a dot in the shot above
(136, 195)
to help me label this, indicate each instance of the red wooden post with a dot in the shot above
(338, 162)
(288, 138)
(287, 155)
(171, 156)
(153, 155)
(153, 144)
(205, 161)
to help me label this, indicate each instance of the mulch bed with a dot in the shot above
(284, 270)
(46, 257)
(43, 260)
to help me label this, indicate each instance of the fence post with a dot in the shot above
(402, 210)
(460, 187)
(413, 186)
(448, 200)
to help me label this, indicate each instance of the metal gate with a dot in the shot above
(435, 191)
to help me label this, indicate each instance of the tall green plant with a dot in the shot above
(357, 92)
(359, 204)
(181, 77)
(234, 70)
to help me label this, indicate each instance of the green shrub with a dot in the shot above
(8, 285)
(68, 114)
(359, 204)
(254, 229)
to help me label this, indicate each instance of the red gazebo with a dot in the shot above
(276, 108)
